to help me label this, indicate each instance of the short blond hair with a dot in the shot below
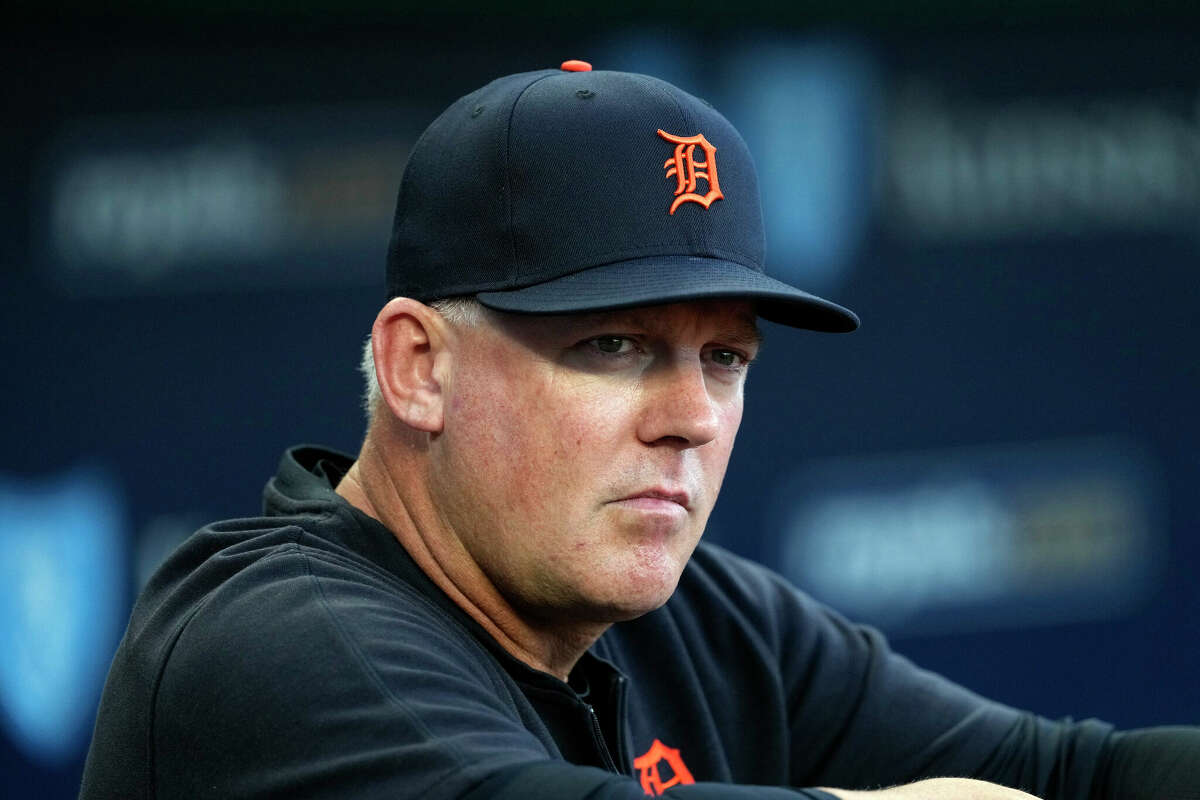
(465, 311)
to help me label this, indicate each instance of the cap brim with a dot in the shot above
(673, 279)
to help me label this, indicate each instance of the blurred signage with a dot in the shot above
(808, 110)
(969, 540)
(63, 604)
(177, 204)
(145, 214)
(963, 170)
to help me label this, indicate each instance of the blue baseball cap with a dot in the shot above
(570, 190)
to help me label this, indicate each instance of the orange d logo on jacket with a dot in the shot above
(651, 774)
(686, 170)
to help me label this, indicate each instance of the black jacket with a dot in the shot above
(304, 654)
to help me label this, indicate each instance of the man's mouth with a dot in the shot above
(658, 498)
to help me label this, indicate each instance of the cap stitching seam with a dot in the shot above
(508, 193)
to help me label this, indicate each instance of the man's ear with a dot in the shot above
(406, 339)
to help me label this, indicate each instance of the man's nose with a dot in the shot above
(678, 406)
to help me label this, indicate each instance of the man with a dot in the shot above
(504, 596)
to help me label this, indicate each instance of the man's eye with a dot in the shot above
(612, 345)
(728, 358)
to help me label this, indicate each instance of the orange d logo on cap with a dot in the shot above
(686, 170)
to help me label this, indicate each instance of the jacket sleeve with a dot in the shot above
(1152, 764)
(554, 779)
(300, 678)
(865, 717)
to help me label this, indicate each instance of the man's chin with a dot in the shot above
(637, 602)
(628, 613)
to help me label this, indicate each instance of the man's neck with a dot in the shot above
(542, 645)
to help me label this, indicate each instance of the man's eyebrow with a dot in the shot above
(745, 332)
(741, 330)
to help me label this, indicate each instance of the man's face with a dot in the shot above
(581, 454)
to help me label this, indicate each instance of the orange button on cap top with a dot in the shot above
(576, 66)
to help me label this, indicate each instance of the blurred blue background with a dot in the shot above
(998, 469)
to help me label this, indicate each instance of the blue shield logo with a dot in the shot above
(63, 602)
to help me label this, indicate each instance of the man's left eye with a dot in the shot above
(612, 345)
(727, 358)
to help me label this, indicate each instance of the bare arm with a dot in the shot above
(937, 789)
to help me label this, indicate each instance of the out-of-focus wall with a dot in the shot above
(997, 468)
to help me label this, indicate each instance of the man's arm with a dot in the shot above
(940, 728)
(557, 779)
(1158, 763)
(936, 789)
(861, 716)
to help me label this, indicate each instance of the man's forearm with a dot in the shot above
(1158, 763)
(936, 789)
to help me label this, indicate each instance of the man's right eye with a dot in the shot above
(612, 345)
